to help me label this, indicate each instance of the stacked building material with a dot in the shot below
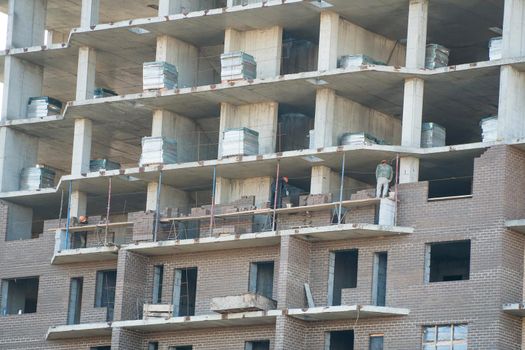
(433, 135)
(37, 177)
(102, 92)
(311, 139)
(238, 66)
(357, 60)
(159, 75)
(240, 142)
(102, 164)
(489, 127)
(158, 150)
(436, 56)
(358, 138)
(43, 106)
(495, 48)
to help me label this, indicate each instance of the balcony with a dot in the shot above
(101, 329)
(89, 243)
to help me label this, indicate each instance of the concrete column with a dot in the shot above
(412, 112)
(181, 54)
(417, 33)
(320, 181)
(81, 146)
(182, 129)
(229, 190)
(511, 114)
(514, 29)
(86, 73)
(22, 80)
(170, 197)
(26, 23)
(411, 127)
(328, 41)
(260, 117)
(408, 170)
(265, 45)
(17, 151)
(89, 13)
(324, 118)
(78, 204)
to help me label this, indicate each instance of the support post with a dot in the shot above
(26, 23)
(417, 33)
(182, 55)
(341, 189)
(411, 127)
(89, 13)
(86, 72)
(513, 29)
(328, 41)
(81, 146)
(324, 118)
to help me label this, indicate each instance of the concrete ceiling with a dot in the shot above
(461, 25)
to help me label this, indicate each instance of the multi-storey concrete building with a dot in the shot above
(206, 251)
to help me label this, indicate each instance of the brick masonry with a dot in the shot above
(496, 277)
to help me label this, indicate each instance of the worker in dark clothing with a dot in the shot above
(282, 191)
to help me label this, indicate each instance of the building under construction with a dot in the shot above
(201, 174)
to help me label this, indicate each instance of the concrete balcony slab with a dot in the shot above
(517, 309)
(202, 321)
(345, 312)
(71, 256)
(79, 331)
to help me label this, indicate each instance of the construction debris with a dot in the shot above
(240, 142)
(238, 66)
(37, 177)
(159, 75)
(158, 150)
(43, 106)
(436, 56)
(433, 135)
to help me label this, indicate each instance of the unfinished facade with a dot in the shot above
(200, 175)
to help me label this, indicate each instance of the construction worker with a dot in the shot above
(282, 191)
(384, 174)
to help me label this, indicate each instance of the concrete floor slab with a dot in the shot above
(79, 331)
(71, 256)
(252, 318)
(516, 225)
(345, 312)
(517, 309)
